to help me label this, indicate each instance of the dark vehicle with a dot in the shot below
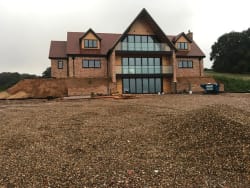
(211, 88)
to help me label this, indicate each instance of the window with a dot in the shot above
(185, 64)
(91, 63)
(182, 45)
(142, 85)
(97, 63)
(90, 43)
(140, 65)
(140, 43)
(60, 64)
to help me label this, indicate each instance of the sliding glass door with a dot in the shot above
(142, 85)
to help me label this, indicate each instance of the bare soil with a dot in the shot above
(150, 141)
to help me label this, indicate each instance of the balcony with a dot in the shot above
(143, 71)
(142, 48)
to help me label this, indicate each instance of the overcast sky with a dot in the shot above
(28, 26)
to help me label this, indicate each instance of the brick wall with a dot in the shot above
(197, 69)
(81, 72)
(167, 85)
(58, 73)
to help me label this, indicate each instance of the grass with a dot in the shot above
(232, 82)
(229, 75)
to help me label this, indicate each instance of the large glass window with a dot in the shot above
(139, 65)
(126, 85)
(140, 43)
(137, 43)
(157, 65)
(144, 65)
(145, 85)
(131, 43)
(151, 65)
(125, 65)
(131, 65)
(138, 85)
(142, 85)
(132, 85)
(157, 85)
(151, 85)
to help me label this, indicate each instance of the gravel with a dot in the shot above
(150, 141)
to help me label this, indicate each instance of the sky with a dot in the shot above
(28, 26)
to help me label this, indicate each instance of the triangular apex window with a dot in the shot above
(90, 40)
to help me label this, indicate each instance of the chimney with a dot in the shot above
(190, 35)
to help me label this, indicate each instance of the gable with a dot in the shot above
(141, 27)
(92, 36)
(182, 39)
(144, 24)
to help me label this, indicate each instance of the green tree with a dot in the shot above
(231, 53)
(47, 73)
(8, 79)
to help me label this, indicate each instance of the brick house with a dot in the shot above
(140, 60)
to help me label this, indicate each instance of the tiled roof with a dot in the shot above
(58, 49)
(194, 52)
(73, 45)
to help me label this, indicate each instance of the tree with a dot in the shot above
(47, 73)
(231, 53)
(8, 79)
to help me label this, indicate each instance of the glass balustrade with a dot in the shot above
(144, 69)
(138, 46)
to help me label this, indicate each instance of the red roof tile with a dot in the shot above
(58, 49)
(73, 46)
(194, 52)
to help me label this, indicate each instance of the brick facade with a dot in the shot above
(81, 72)
(73, 53)
(55, 71)
(195, 71)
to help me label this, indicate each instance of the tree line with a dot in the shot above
(8, 79)
(231, 52)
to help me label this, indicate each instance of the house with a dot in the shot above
(141, 60)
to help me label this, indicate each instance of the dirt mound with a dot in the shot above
(43, 88)
(19, 95)
(212, 145)
(4, 95)
(40, 88)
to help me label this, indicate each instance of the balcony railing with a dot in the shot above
(131, 46)
(144, 69)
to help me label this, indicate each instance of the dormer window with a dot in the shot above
(182, 45)
(90, 43)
